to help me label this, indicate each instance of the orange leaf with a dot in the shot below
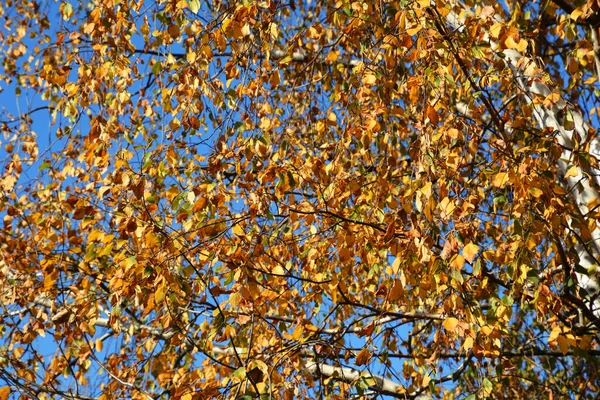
(344, 254)
(4, 393)
(458, 262)
(199, 204)
(432, 115)
(396, 292)
(363, 357)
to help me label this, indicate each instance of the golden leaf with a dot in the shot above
(238, 230)
(369, 79)
(468, 344)
(535, 192)
(573, 171)
(470, 251)
(450, 324)
(563, 344)
(500, 180)
(458, 262)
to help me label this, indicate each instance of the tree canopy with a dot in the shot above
(299, 199)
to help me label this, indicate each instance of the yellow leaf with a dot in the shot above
(551, 100)
(273, 30)
(447, 206)
(4, 393)
(496, 29)
(275, 79)
(159, 295)
(522, 45)
(573, 171)
(450, 324)
(511, 43)
(66, 9)
(470, 251)
(89, 28)
(426, 190)
(373, 125)
(194, 6)
(453, 133)
(593, 203)
(396, 265)
(468, 344)
(576, 13)
(278, 270)
(535, 192)
(332, 56)
(556, 331)
(298, 332)
(237, 230)
(191, 57)
(245, 30)
(486, 330)
(414, 30)
(501, 179)
(369, 79)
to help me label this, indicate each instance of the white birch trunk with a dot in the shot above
(583, 186)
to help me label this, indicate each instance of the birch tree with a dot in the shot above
(266, 199)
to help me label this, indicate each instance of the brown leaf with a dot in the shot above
(366, 330)
(363, 357)
(450, 248)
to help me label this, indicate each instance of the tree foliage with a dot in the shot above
(302, 199)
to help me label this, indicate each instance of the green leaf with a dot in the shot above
(67, 10)
(507, 301)
(240, 373)
(156, 68)
(569, 123)
(285, 60)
